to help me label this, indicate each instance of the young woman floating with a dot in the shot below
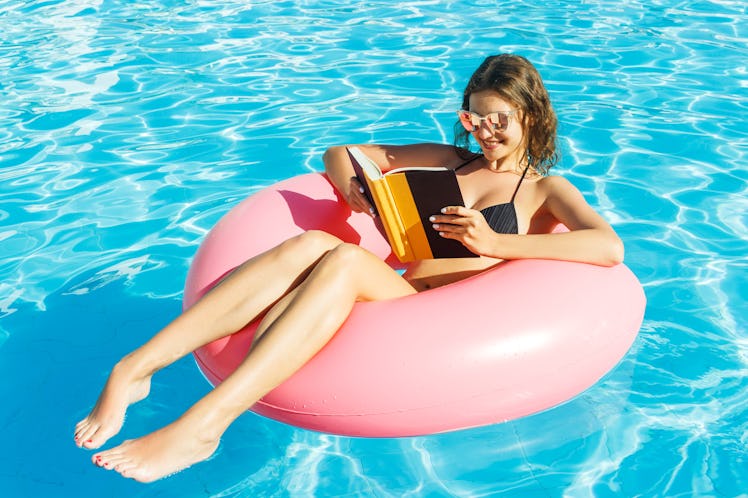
(307, 286)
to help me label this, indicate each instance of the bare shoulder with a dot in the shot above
(566, 204)
(557, 187)
(555, 182)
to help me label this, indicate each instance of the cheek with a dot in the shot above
(517, 136)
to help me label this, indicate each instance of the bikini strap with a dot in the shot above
(468, 161)
(519, 183)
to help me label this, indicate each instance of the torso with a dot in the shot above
(482, 188)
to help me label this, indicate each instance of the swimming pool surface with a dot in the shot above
(128, 129)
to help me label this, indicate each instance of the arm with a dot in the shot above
(340, 171)
(590, 239)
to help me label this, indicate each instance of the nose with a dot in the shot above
(485, 130)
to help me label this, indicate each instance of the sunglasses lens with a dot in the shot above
(499, 121)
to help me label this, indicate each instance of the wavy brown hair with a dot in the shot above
(517, 81)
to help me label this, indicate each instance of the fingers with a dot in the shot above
(356, 198)
(457, 222)
(457, 211)
(455, 215)
(465, 225)
(450, 227)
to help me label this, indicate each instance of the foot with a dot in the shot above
(123, 388)
(161, 453)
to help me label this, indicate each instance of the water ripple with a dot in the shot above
(128, 129)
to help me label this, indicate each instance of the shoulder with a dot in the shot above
(556, 191)
(554, 186)
(553, 182)
(564, 201)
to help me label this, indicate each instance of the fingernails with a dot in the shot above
(444, 210)
(432, 218)
(361, 189)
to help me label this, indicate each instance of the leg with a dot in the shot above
(233, 303)
(308, 319)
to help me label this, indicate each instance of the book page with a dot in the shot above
(369, 167)
(416, 168)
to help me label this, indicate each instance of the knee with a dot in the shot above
(312, 242)
(344, 256)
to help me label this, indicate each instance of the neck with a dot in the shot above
(508, 165)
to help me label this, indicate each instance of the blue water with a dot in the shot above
(128, 129)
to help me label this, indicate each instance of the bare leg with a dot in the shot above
(237, 300)
(309, 318)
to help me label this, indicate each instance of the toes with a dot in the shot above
(131, 472)
(92, 435)
(110, 458)
(80, 429)
(126, 468)
(117, 460)
(95, 439)
(137, 473)
(117, 464)
(91, 442)
(80, 426)
(84, 436)
(102, 460)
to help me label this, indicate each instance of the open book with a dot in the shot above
(404, 199)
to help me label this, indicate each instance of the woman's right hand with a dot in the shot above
(356, 198)
(340, 172)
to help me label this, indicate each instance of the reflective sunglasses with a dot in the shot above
(499, 121)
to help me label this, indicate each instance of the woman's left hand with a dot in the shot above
(466, 225)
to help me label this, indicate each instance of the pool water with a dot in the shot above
(128, 129)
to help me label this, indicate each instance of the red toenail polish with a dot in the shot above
(90, 441)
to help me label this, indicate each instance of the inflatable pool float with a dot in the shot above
(512, 341)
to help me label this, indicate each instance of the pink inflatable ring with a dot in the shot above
(521, 338)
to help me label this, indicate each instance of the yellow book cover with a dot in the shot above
(404, 199)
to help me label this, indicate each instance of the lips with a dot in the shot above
(491, 145)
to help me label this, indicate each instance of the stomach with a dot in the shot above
(430, 273)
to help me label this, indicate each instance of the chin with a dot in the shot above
(498, 153)
(493, 154)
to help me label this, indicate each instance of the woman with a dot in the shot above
(308, 285)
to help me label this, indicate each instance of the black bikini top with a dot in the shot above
(502, 218)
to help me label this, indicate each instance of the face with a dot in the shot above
(500, 147)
